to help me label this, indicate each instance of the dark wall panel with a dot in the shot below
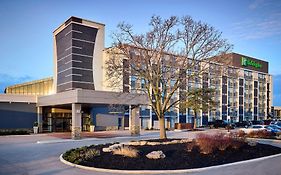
(237, 58)
(17, 115)
(75, 49)
(182, 118)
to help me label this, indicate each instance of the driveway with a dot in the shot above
(23, 155)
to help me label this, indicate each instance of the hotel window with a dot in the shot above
(173, 82)
(262, 76)
(230, 71)
(142, 83)
(247, 74)
(133, 82)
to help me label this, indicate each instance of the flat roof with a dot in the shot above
(83, 96)
(76, 19)
(30, 82)
(18, 98)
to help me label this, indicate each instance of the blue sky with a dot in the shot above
(26, 47)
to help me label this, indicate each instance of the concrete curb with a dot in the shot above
(24, 135)
(165, 171)
(66, 140)
(265, 140)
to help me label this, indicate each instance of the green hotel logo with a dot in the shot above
(248, 62)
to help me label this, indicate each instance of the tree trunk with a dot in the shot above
(194, 122)
(162, 128)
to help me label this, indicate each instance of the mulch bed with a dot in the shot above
(178, 158)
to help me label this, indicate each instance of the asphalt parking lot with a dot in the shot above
(25, 155)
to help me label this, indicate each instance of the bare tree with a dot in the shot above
(163, 58)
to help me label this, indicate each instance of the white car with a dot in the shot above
(254, 128)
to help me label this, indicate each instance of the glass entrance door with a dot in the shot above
(61, 124)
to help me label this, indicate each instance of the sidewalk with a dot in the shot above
(97, 134)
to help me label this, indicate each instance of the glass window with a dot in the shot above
(29, 89)
(21, 90)
(25, 89)
(133, 82)
(41, 88)
(142, 83)
(33, 89)
(45, 91)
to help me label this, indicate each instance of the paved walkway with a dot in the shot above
(100, 134)
(23, 155)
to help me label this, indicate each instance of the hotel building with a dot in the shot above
(78, 93)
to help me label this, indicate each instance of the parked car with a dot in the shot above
(220, 124)
(257, 122)
(277, 126)
(267, 122)
(244, 124)
(273, 128)
(278, 123)
(253, 128)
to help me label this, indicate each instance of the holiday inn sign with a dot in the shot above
(249, 62)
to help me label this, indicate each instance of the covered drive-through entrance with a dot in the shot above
(71, 110)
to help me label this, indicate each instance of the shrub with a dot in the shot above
(35, 124)
(79, 154)
(72, 156)
(224, 142)
(206, 143)
(14, 132)
(238, 137)
(236, 143)
(260, 134)
(238, 134)
(241, 134)
(91, 153)
(191, 145)
(126, 151)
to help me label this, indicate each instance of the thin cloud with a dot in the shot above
(255, 4)
(8, 80)
(258, 28)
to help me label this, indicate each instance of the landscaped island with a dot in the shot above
(171, 154)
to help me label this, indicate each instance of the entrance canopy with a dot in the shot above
(17, 98)
(82, 96)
